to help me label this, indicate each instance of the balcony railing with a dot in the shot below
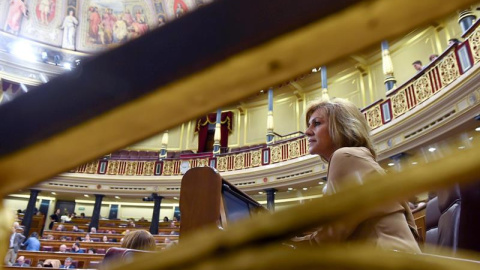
(255, 157)
(434, 78)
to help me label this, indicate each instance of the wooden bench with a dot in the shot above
(69, 227)
(118, 223)
(73, 235)
(82, 259)
(85, 245)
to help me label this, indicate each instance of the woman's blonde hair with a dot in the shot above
(347, 125)
(139, 239)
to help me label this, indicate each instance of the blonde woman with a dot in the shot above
(139, 239)
(338, 132)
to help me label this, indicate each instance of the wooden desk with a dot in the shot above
(118, 237)
(118, 222)
(96, 245)
(69, 227)
(83, 259)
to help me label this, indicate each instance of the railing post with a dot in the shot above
(323, 75)
(270, 125)
(217, 135)
(163, 150)
(271, 199)
(387, 67)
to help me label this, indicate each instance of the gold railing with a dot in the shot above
(257, 157)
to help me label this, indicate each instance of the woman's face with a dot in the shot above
(319, 140)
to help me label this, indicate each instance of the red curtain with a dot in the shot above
(201, 127)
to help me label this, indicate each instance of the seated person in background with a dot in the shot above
(105, 239)
(170, 243)
(63, 238)
(21, 262)
(87, 238)
(131, 223)
(68, 264)
(76, 229)
(66, 218)
(126, 231)
(165, 219)
(338, 132)
(175, 219)
(32, 243)
(52, 263)
(62, 248)
(432, 57)
(172, 224)
(82, 215)
(76, 248)
(50, 237)
(93, 230)
(92, 251)
(140, 239)
(60, 228)
(417, 65)
(142, 219)
(40, 264)
(78, 239)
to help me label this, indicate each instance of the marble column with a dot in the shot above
(96, 211)
(390, 80)
(271, 199)
(270, 126)
(28, 216)
(156, 213)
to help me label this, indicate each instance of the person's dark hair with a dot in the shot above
(139, 239)
(417, 62)
(454, 40)
(34, 234)
(77, 244)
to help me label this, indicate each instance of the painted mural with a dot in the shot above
(45, 11)
(17, 10)
(89, 25)
(178, 8)
(111, 22)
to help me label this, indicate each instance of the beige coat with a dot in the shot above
(388, 227)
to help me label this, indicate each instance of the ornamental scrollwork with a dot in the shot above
(448, 69)
(148, 168)
(277, 153)
(399, 103)
(131, 167)
(239, 161)
(92, 167)
(168, 167)
(374, 117)
(112, 167)
(222, 164)
(423, 88)
(203, 162)
(293, 150)
(256, 158)
(474, 41)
